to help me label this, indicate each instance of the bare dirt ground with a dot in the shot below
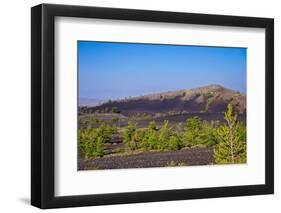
(194, 156)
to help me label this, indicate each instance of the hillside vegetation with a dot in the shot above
(209, 121)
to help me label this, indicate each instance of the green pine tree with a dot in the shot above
(91, 141)
(164, 136)
(129, 136)
(192, 131)
(174, 143)
(231, 146)
(99, 149)
(150, 137)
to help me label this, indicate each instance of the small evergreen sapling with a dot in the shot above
(129, 136)
(231, 146)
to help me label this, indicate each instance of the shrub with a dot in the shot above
(174, 143)
(115, 110)
(197, 132)
(163, 139)
(91, 141)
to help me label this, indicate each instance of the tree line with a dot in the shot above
(228, 140)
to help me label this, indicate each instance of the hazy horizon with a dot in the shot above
(155, 92)
(117, 70)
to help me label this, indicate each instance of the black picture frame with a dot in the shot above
(43, 102)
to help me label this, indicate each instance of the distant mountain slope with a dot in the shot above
(90, 102)
(211, 99)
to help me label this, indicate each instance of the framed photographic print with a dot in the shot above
(139, 106)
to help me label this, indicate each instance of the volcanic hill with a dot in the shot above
(208, 99)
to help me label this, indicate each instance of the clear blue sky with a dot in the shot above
(117, 70)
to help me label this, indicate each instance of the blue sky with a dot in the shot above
(116, 70)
